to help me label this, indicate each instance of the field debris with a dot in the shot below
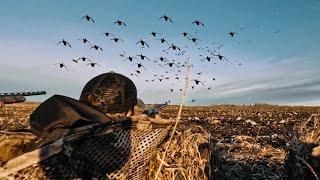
(249, 121)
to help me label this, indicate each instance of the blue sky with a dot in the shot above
(277, 45)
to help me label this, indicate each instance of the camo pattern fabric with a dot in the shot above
(110, 153)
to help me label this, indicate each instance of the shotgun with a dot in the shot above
(9, 98)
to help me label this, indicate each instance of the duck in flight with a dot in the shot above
(61, 65)
(154, 34)
(82, 58)
(198, 23)
(130, 58)
(143, 43)
(185, 34)
(117, 39)
(107, 34)
(220, 57)
(88, 18)
(207, 58)
(142, 57)
(162, 40)
(75, 60)
(137, 71)
(197, 82)
(194, 39)
(170, 64)
(139, 65)
(96, 47)
(92, 64)
(162, 59)
(232, 34)
(174, 47)
(122, 54)
(166, 18)
(120, 23)
(64, 42)
(85, 40)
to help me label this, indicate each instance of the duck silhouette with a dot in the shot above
(88, 18)
(166, 18)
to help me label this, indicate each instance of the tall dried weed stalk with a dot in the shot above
(182, 99)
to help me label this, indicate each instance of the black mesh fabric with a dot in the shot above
(102, 157)
(117, 152)
(110, 93)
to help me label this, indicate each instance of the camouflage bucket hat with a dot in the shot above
(110, 93)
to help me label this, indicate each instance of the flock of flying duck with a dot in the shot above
(174, 67)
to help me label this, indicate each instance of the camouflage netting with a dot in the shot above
(121, 151)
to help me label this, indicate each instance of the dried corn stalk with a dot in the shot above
(185, 157)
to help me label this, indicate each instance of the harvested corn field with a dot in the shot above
(216, 142)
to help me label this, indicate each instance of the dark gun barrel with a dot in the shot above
(33, 93)
(9, 98)
(154, 110)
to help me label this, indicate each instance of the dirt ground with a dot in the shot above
(247, 142)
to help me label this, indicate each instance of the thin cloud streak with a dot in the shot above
(276, 93)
